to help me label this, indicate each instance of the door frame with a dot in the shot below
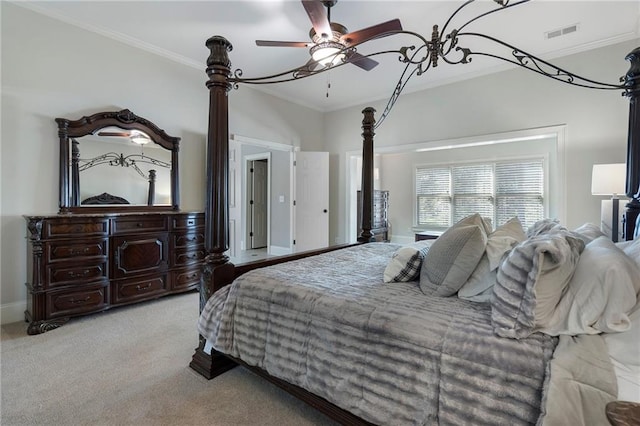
(238, 142)
(246, 160)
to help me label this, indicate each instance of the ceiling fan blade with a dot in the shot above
(368, 33)
(118, 134)
(363, 62)
(318, 16)
(283, 43)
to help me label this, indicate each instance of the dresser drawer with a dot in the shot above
(125, 291)
(186, 278)
(64, 274)
(76, 250)
(138, 224)
(187, 221)
(192, 239)
(78, 301)
(188, 257)
(139, 255)
(75, 228)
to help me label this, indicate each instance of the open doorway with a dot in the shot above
(280, 189)
(257, 202)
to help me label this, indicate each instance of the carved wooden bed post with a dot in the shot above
(63, 203)
(151, 193)
(368, 122)
(217, 270)
(632, 83)
(75, 173)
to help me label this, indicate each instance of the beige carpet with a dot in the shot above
(129, 366)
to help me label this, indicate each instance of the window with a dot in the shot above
(501, 190)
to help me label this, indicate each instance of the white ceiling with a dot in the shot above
(179, 29)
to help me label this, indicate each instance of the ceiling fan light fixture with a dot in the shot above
(139, 138)
(328, 53)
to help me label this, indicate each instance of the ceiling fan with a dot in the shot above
(136, 136)
(330, 39)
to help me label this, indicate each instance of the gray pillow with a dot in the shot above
(543, 226)
(452, 258)
(531, 282)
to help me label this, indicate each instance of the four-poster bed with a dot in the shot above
(219, 273)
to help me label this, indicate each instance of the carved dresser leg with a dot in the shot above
(39, 327)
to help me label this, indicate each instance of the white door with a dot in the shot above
(235, 194)
(258, 204)
(312, 200)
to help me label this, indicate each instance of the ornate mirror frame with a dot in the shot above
(87, 125)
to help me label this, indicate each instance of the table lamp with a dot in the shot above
(609, 179)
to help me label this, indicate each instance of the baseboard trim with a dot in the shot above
(279, 251)
(12, 312)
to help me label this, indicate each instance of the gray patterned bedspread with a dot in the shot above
(385, 352)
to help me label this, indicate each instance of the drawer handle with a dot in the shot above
(83, 251)
(192, 239)
(79, 275)
(191, 222)
(140, 288)
(139, 225)
(79, 301)
(194, 275)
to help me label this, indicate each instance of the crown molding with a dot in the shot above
(114, 35)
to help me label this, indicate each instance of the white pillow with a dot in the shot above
(479, 286)
(589, 232)
(499, 242)
(601, 293)
(633, 250)
(405, 263)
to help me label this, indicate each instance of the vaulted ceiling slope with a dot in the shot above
(179, 29)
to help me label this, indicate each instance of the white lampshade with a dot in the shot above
(327, 55)
(608, 179)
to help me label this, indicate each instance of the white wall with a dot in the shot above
(51, 69)
(596, 124)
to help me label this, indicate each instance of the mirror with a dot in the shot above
(117, 161)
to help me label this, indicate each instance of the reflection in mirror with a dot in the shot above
(116, 160)
(122, 164)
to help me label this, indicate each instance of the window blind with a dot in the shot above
(499, 191)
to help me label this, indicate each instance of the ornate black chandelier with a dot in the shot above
(446, 44)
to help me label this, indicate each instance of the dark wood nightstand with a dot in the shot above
(427, 235)
(623, 413)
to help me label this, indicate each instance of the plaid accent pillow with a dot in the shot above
(406, 262)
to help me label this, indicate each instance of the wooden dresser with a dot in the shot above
(85, 263)
(380, 223)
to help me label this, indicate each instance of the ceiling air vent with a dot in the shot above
(562, 31)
